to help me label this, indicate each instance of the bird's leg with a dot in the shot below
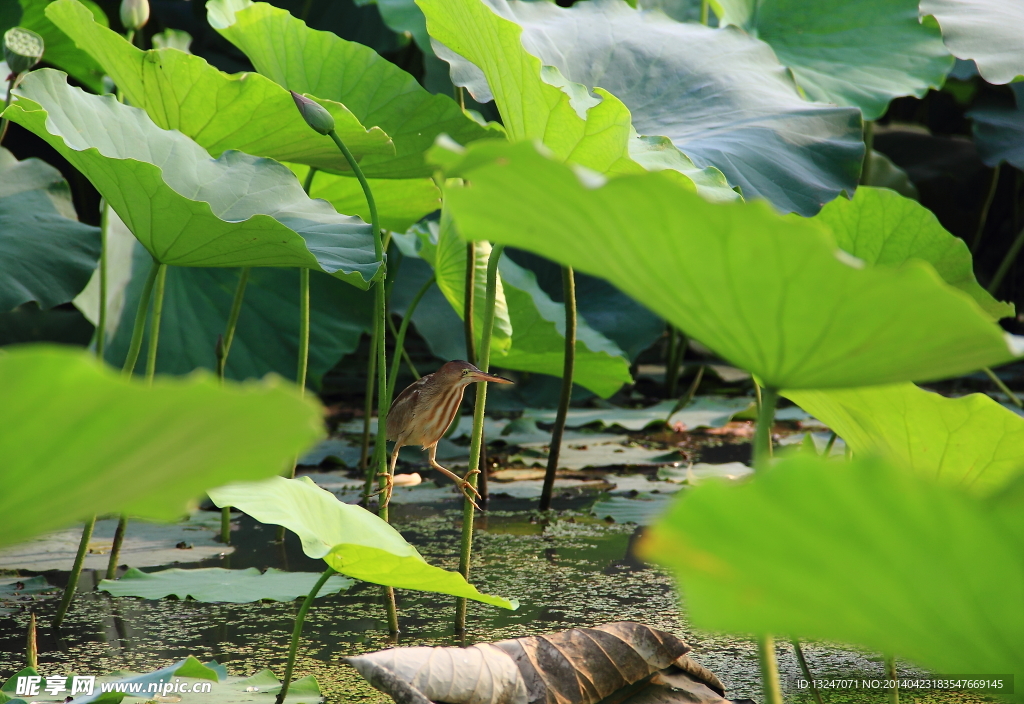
(390, 477)
(461, 482)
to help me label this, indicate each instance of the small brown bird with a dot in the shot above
(423, 412)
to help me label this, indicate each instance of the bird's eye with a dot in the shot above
(465, 372)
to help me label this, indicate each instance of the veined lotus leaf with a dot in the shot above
(247, 112)
(882, 227)
(60, 48)
(538, 103)
(216, 584)
(987, 31)
(862, 53)
(378, 93)
(999, 132)
(863, 553)
(720, 96)
(349, 538)
(81, 440)
(970, 442)
(400, 202)
(766, 292)
(46, 255)
(186, 208)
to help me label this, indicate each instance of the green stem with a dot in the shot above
(869, 145)
(467, 306)
(405, 352)
(983, 215)
(815, 692)
(293, 649)
(140, 321)
(690, 392)
(476, 443)
(4, 122)
(675, 363)
(115, 548)
(829, 444)
(76, 571)
(704, 15)
(229, 329)
(769, 670)
(371, 378)
(154, 323)
(303, 360)
(380, 325)
(892, 674)
(1004, 388)
(101, 323)
(1004, 266)
(569, 361)
(32, 643)
(396, 361)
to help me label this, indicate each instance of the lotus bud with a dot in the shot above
(23, 49)
(134, 14)
(315, 114)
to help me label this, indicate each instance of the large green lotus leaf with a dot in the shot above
(862, 553)
(378, 93)
(766, 292)
(80, 440)
(186, 208)
(862, 53)
(60, 48)
(999, 132)
(216, 584)
(400, 202)
(987, 31)
(719, 95)
(539, 103)
(247, 112)
(970, 442)
(46, 255)
(197, 302)
(882, 227)
(349, 538)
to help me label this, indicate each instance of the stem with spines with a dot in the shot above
(484, 363)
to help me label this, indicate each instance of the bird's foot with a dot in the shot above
(468, 490)
(385, 491)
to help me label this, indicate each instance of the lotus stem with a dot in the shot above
(293, 649)
(484, 363)
(371, 377)
(396, 361)
(983, 215)
(31, 643)
(569, 294)
(115, 548)
(769, 670)
(762, 455)
(892, 674)
(101, 321)
(405, 352)
(229, 329)
(140, 321)
(76, 571)
(380, 325)
(675, 361)
(1004, 266)
(704, 15)
(467, 302)
(690, 392)
(4, 122)
(154, 323)
(869, 145)
(828, 446)
(1004, 388)
(815, 692)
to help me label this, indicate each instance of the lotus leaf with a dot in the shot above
(720, 96)
(764, 291)
(186, 208)
(378, 93)
(862, 53)
(80, 440)
(46, 255)
(987, 31)
(999, 132)
(215, 584)
(349, 538)
(862, 553)
(247, 112)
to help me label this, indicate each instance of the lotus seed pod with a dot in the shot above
(134, 14)
(315, 115)
(23, 49)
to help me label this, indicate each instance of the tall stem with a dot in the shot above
(569, 357)
(4, 122)
(891, 674)
(762, 453)
(704, 12)
(297, 632)
(115, 547)
(983, 215)
(101, 323)
(380, 325)
(1014, 399)
(869, 145)
(396, 361)
(805, 668)
(371, 377)
(140, 321)
(76, 571)
(467, 305)
(769, 670)
(476, 443)
(1004, 266)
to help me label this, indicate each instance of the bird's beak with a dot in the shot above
(484, 376)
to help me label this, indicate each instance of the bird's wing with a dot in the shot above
(403, 409)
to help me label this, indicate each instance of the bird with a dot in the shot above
(423, 412)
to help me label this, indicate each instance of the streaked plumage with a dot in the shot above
(423, 412)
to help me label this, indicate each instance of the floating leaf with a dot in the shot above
(81, 440)
(720, 96)
(186, 208)
(702, 412)
(862, 53)
(349, 538)
(970, 442)
(861, 553)
(882, 227)
(642, 509)
(12, 588)
(987, 31)
(378, 93)
(46, 255)
(215, 584)
(581, 665)
(197, 302)
(764, 291)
